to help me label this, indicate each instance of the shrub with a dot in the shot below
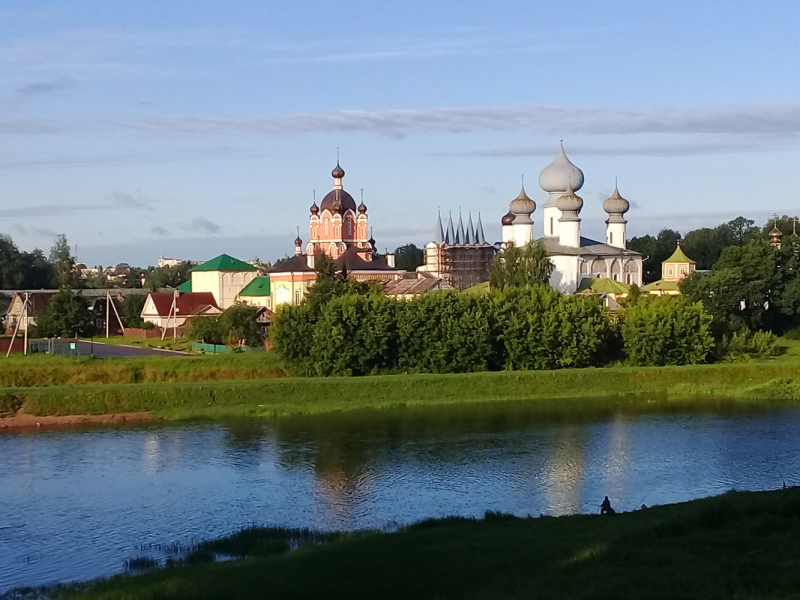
(446, 332)
(67, 315)
(355, 335)
(9, 403)
(132, 311)
(749, 345)
(669, 331)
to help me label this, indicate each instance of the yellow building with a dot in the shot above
(673, 270)
(224, 277)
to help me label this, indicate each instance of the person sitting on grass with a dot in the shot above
(605, 507)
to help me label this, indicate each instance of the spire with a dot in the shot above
(470, 238)
(438, 237)
(479, 237)
(460, 235)
(450, 238)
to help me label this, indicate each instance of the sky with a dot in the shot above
(190, 128)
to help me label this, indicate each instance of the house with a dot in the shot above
(18, 313)
(673, 270)
(172, 309)
(610, 291)
(256, 293)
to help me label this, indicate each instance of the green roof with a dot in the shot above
(185, 287)
(480, 289)
(603, 285)
(225, 263)
(678, 257)
(258, 287)
(661, 285)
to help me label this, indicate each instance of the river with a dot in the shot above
(76, 504)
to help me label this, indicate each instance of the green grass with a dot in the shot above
(759, 383)
(739, 545)
(45, 370)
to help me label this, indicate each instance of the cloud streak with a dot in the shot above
(778, 119)
(202, 225)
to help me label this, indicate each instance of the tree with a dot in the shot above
(239, 325)
(409, 257)
(705, 245)
(63, 263)
(68, 315)
(172, 277)
(523, 266)
(666, 331)
(132, 310)
(23, 270)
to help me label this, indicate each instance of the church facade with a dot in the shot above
(339, 229)
(574, 256)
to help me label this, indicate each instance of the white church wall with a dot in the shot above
(565, 275)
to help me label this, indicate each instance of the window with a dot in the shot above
(326, 228)
(610, 237)
(551, 225)
(297, 296)
(349, 228)
(669, 271)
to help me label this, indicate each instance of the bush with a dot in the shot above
(749, 345)
(132, 311)
(9, 403)
(445, 332)
(666, 331)
(355, 335)
(207, 329)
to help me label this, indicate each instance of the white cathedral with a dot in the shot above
(575, 257)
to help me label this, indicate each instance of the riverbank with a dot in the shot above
(754, 383)
(738, 545)
(22, 420)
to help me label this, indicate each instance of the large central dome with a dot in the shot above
(338, 201)
(561, 174)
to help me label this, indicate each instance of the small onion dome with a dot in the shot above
(569, 202)
(298, 241)
(362, 208)
(314, 209)
(508, 219)
(616, 204)
(560, 173)
(522, 205)
(371, 242)
(338, 172)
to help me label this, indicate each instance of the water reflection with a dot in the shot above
(77, 504)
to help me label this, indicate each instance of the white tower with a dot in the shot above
(569, 225)
(522, 226)
(555, 179)
(508, 228)
(616, 206)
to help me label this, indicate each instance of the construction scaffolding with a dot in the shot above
(463, 266)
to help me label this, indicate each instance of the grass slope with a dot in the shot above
(750, 382)
(739, 545)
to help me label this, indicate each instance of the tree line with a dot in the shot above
(349, 328)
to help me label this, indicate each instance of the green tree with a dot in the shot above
(132, 310)
(705, 246)
(666, 331)
(23, 270)
(523, 266)
(171, 277)
(68, 315)
(409, 257)
(208, 330)
(240, 327)
(63, 263)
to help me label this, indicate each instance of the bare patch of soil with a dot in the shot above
(22, 420)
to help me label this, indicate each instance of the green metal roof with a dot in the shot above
(258, 287)
(678, 257)
(603, 285)
(664, 286)
(185, 287)
(225, 263)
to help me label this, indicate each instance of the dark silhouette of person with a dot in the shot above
(605, 507)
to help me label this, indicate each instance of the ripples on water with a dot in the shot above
(77, 504)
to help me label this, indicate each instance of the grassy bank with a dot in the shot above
(739, 545)
(45, 370)
(749, 382)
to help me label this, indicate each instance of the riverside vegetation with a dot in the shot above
(738, 545)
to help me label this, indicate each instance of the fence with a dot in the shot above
(209, 348)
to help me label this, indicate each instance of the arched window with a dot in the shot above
(349, 227)
(326, 228)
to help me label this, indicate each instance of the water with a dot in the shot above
(76, 504)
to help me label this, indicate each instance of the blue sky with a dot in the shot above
(187, 129)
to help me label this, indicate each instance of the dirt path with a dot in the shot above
(21, 420)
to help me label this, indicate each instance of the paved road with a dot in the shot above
(101, 350)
